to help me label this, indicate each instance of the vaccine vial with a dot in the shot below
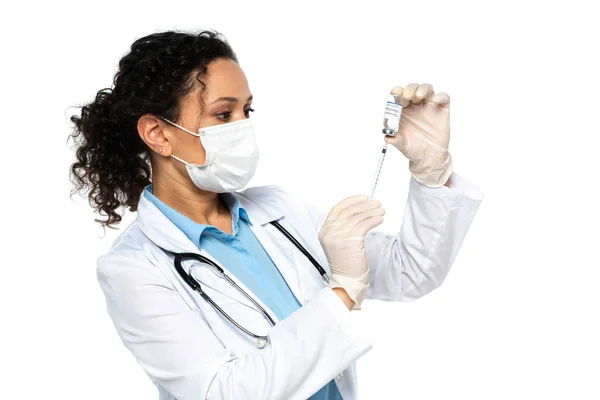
(391, 116)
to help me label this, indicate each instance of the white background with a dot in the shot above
(518, 315)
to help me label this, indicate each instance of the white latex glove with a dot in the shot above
(424, 133)
(342, 238)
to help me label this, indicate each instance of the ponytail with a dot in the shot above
(112, 160)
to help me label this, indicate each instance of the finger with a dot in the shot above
(397, 90)
(397, 93)
(409, 91)
(358, 208)
(442, 99)
(368, 224)
(422, 92)
(358, 218)
(347, 202)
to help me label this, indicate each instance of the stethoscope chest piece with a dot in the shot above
(261, 343)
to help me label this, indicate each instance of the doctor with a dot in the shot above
(173, 141)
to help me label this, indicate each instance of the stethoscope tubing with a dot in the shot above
(261, 340)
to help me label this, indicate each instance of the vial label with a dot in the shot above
(393, 111)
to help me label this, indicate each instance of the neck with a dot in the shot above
(198, 205)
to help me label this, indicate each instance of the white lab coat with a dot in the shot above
(191, 352)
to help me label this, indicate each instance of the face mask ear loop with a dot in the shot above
(179, 159)
(180, 127)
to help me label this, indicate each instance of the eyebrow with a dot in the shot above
(231, 99)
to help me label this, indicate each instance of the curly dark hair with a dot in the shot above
(113, 163)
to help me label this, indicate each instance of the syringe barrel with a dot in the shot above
(378, 170)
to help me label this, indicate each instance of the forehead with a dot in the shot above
(224, 77)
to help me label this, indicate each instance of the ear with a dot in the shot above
(150, 129)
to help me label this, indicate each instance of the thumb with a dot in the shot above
(399, 141)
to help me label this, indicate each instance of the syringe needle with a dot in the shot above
(378, 170)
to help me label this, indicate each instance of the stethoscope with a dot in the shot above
(261, 341)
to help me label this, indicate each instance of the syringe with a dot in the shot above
(378, 170)
(391, 125)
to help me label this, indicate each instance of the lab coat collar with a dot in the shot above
(258, 212)
(192, 229)
(160, 230)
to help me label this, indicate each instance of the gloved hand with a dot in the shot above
(424, 133)
(342, 238)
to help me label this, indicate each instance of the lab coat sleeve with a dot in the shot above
(178, 350)
(414, 261)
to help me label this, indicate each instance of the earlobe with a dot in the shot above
(161, 150)
(150, 131)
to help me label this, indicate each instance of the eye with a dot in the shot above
(224, 116)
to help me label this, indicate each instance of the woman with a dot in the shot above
(303, 272)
